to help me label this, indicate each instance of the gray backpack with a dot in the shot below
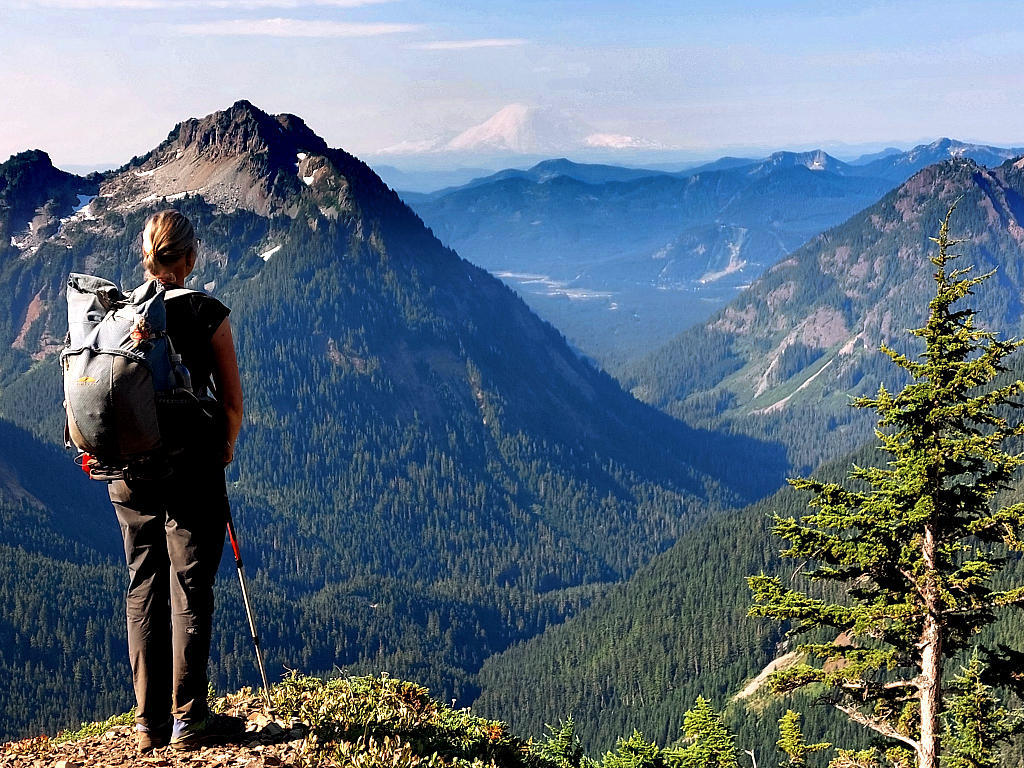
(117, 363)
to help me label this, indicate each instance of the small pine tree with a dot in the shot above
(635, 752)
(791, 741)
(709, 742)
(976, 723)
(914, 554)
(849, 758)
(563, 747)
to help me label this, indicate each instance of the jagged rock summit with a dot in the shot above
(902, 165)
(239, 158)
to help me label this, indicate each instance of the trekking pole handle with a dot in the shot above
(234, 541)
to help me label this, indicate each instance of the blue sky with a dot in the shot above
(97, 81)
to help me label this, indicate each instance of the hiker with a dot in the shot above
(173, 528)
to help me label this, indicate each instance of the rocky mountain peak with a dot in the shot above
(939, 150)
(240, 157)
(945, 142)
(30, 169)
(815, 160)
(31, 160)
(244, 128)
(34, 195)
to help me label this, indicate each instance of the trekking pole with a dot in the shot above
(248, 609)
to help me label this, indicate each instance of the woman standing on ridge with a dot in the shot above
(173, 528)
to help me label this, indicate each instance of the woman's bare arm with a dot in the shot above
(229, 384)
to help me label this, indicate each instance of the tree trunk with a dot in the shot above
(931, 662)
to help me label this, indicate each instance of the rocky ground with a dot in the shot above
(267, 742)
(357, 722)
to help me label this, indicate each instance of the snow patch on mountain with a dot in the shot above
(81, 211)
(83, 202)
(268, 253)
(171, 197)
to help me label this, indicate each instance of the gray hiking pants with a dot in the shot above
(173, 538)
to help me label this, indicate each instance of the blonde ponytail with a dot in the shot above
(167, 239)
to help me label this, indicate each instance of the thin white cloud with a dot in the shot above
(147, 5)
(460, 45)
(292, 28)
(619, 141)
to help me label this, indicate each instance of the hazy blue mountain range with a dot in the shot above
(415, 181)
(784, 357)
(589, 173)
(872, 156)
(621, 259)
(898, 166)
(621, 265)
(428, 474)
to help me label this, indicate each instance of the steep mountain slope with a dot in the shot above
(62, 629)
(621, 264)
(639, 655)
(785, 356)
(428, 472)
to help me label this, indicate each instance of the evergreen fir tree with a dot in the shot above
(635, 752)
(976, 722)
(563, 747)
(791, 741)
(913, 545)
(709, 742)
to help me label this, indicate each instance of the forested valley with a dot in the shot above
(428, 472)
(431, 481)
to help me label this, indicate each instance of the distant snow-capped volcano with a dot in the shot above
(524, 130)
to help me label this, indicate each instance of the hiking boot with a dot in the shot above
(148, 739)
(215, 729)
